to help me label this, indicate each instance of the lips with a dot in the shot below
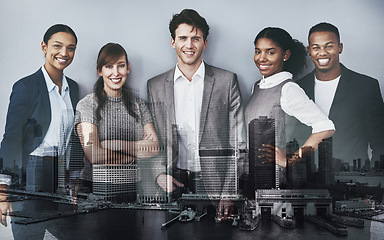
(323, 61)
(263, 66)
(115, 80)
(189, 52)
(61, 60)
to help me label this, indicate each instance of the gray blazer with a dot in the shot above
(221, 118)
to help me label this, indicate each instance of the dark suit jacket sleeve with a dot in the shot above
(19, 110)
(374, 119)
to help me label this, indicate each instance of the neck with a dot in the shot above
(56, 76)
(113, 93)
(329, 74)
(189, 70)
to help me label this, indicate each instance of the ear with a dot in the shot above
(205, 43)
(44, 47)
(129, 68)
(286, 55)
(309, 50)
(173, 42)
(340, 48)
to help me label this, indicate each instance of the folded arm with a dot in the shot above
(145, 148)
(93, 150)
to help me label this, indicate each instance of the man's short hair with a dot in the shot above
(190, 17)
(324, 27)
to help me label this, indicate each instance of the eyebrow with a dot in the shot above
(63, 43)
(268, 49)
(324, 44)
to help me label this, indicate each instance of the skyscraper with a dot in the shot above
(219, 172)
(326, 168)
(261, 175)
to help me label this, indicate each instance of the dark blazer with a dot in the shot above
(358, 114)
(28, 118)
(221, 118)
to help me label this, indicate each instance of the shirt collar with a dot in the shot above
(200, 72)
(337, 79)
(275, 79)
(49, 82)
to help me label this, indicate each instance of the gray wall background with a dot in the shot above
(141, 27)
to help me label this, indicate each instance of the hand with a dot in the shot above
(149, 136)
(294, 159)
(163, 179)
(225, 209)
(273, 154)
(5, 205)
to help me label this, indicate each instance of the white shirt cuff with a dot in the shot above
(323, 126)
(5, 179)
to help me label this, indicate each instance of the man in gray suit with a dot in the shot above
(197, 108)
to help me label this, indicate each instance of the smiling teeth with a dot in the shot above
(323, 61)
(264, 66)
(115, 80)
(189, 53)
(61, 60)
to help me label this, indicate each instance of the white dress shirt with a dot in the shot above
(188, 96)
(296, 103)
(62, 117)
(324, 93)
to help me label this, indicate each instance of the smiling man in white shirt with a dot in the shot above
(196, 107)
(351, 100)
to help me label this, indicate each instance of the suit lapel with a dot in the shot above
(45, 102)
(310, 86)
(169, 96)
(341, 91)
(73, 93)
(209, 81)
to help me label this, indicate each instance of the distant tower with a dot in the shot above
(34, 168)
(296, 173)
(326, 168)
(354, 165)
(358, 164)
(261, 176)
(381, 164)
(308, 155)
(292, 147)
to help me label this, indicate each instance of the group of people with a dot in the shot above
(191, 107)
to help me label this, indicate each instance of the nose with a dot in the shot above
(262, 57)
(115, 71)
(64, 51)
(322, 51)
(188, 43)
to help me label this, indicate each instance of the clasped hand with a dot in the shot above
(275, 154)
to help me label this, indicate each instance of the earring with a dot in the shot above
(284, 59)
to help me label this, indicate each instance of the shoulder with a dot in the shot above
(72, 83)
(31, 80)
(209, 69)
(291, 88)
(88, 102)
(357, 77)
(306, 79)
(161, 77)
